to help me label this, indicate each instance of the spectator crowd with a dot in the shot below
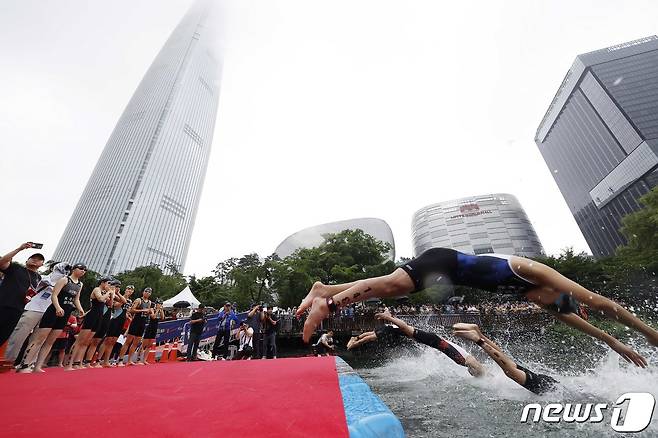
(42, 321)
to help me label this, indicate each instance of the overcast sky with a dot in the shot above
(328, 110)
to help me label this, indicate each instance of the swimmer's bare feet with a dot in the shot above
(319, 311)
(467, 331)
(318, 290)
(475, 368)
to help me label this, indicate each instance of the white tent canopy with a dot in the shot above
(184, 295)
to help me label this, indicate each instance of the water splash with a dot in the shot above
(429, 392)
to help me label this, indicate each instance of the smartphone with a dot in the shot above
(36, 245)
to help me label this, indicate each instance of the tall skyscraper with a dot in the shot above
(139, 205)
(599, 137)
(476, 225)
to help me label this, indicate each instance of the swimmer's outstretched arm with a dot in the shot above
(396, 284)
(551, 285)
(624, 350)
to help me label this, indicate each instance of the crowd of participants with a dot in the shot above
(43, 321)
(41, 316)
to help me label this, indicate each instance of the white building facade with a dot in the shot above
(314, 236)
(494, 223)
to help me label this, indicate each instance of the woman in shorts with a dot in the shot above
(65, 298)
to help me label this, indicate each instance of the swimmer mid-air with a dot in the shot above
(493, 272)
(533, 382)
(453, 351)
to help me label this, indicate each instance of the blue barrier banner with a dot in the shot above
(168, 331)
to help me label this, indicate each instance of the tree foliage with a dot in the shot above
(641, 232)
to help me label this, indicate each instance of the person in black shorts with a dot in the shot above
(120, 308)
(155, 316)
(197, 321)
(493, 272)
(91, 323)
(65, 298)
(103, 327)
(141, 310)
(533, 382)
(389, 333)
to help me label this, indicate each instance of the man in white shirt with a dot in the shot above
(325, 344)
(34, 310)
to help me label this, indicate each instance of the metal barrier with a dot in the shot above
(291, 326)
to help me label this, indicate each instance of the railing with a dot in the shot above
(291, 326)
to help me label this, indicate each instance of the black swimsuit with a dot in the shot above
(94, 318)
(119, 319)
(490, 272)
(138, 323)
(151, 328)
(65, 299)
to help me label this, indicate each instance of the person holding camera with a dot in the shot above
(197, 321)
(227, 320)
(270, 322)
(245, 337)
(254, 321)
(16, 284)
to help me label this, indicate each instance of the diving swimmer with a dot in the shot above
(493, 272)
(401, 328)
(533, 382)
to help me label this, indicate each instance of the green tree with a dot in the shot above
(641, 232)
(343, 257)
(164, 285)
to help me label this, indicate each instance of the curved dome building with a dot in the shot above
(313, 236)
(477, 225)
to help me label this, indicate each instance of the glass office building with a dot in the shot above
(599, 138)
(483, 224)
(313, 236)
(140, 203)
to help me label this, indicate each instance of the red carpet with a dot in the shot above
(264, 398)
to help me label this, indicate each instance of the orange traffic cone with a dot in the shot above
(165, 353)
(173, 354)
(150, 357)
(5, 366)
(3, 347)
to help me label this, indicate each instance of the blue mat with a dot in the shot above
(367, 416)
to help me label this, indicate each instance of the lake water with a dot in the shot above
(434, 397)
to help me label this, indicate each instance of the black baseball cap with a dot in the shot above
(102, 279)
(115, 282)
(79, 266)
